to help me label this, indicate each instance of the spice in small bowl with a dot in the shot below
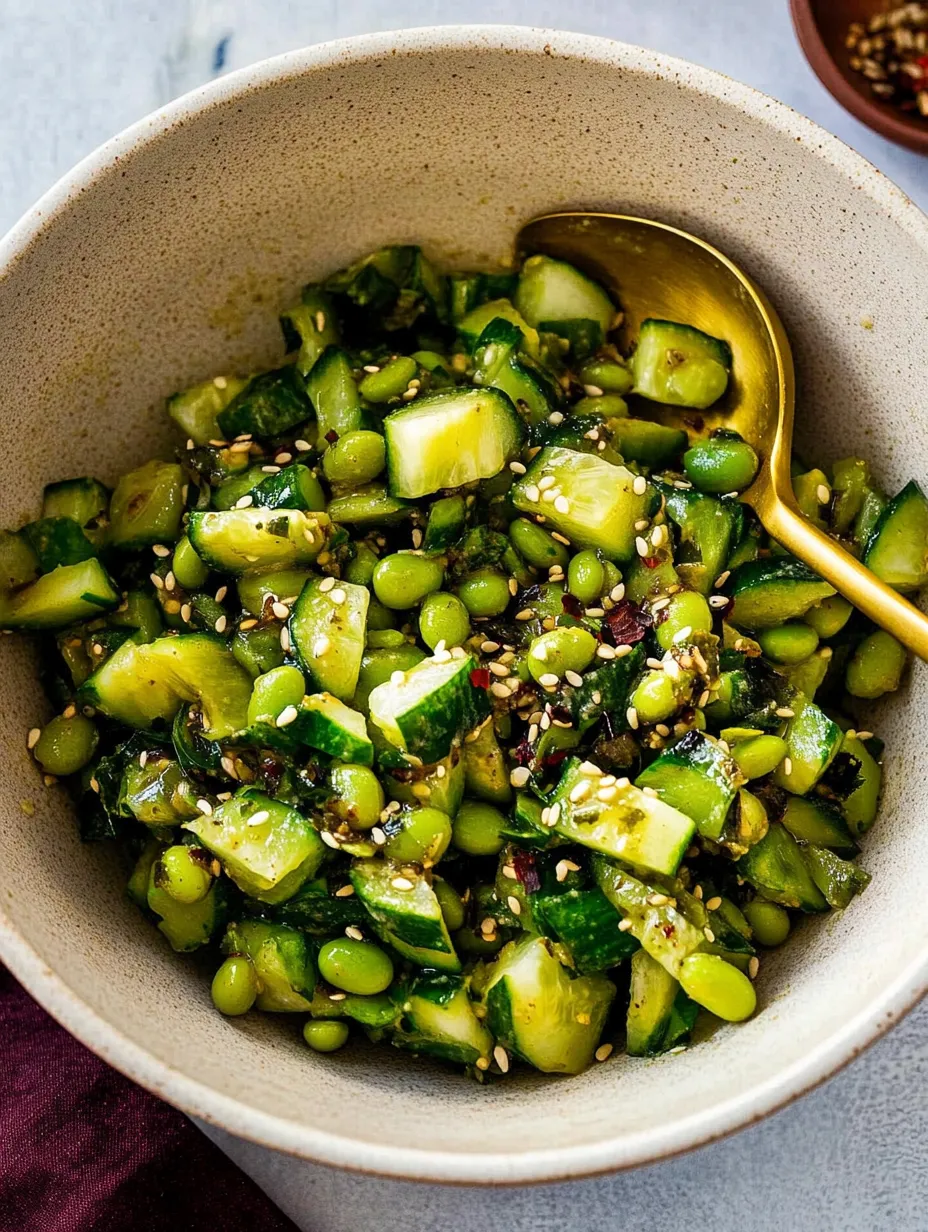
(891, 52)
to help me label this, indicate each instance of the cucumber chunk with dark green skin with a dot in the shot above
(812, 819)
(434, 704)
(502, 364)
(147, 506)
(309, 327)
(57, 599)
(295, 487)
(446, 523)
(196, 410)
(334, 394)
(585, 923)
(655, 919)
(860, 804)
(769, 592)
(838, 880)
(84, 500)
(369, 506)
(406, 915)
(647, 443)
(777, 868)
(679, 365)
(326, 723)
(813, 741)
(256, 540)
(897, 548)
(707, 530)
(652, 994)
(328, 628)
(269, 405)
(282, 962)
(438, 1020)
(698, 778)
(57, 541)
(558, 298)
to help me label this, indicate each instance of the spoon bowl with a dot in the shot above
(655, 270)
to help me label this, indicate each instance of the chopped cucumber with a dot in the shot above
(309, 327)
(255, 540)
(439, 1021)
(769, 592)
(67, 594)
(282, 963)
(501, 363)
(187, 926)
(813, 741)
(696, 777)
(647, 443)
(654, 917)
(679, 365)
(471, 327)
(369, 506)
(585, 923)
(651, 998)
(708, 529)
(838, 880)
(775, 866)
(327, 724)
(812, 819)
(84, 500)
(334, 393)
(405, 913)
(146, 506)
(429, 707)
(269, 405)
(57, 541)
(328, 629)
(557, 298)
(195, 410)
(897, 549)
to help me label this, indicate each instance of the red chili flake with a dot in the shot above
(572, 606)
(628, 623)
(331, 436)
(723, 612)
(668, 930)
(480, 678)
(524, 864)
(554, 759)
(523, 754)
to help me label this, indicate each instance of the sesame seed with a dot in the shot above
(245, 501)
(658, 534)
(865, 735)
(329, 839)
(482, 1063)
(247, 624)
(218, 444)
(545, 721)
(326, 584)
(713, 904)
(532, 733)
(354, 933)
(703, 699)
(240, 447)
(520, 776)
(640, 486)
(221, 593)
(288, 715)
(662, 729)
(573, 678)
(280, 610)
(624, 925)
(641, 524)
(498, 669)
(220, 625)
(514, 905)
(500, 690)
(718, 601)
(722, 578)
(489, 647)
(517, 468)
(682, 634)
(603, 1052)
(397, 677)
(562, 504)
(337, 996)
(753, 967)
(656, 664)
(501, 1057)
(787, 765)
(378, 836)
(607, 652)
(302, 446)
(551, 495)
(823, 494)
(160, 550)
(205, 807)
(345, 891)
(229, 766)
(143, 758)
(592, 391)
(784, 712)
(285, 640)
(270, 470)
(580, 791)
(444, 656)
(532, 493)
(555, 418)
(488, 926)
(658, 900)
(554, 814)
(156, 581)
(309, 536)
(595, 612)
(556, 534)
(659, 604)
(191, 443)
(597, 698)
(607, 794)
(548, 681)
(631, 715)
(258, 819)
(641, 546)
(617, 594)
(708, 934)
(338, 596)
(513, 587)
(371, 367)
(172, 607)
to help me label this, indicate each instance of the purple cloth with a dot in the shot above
(83, 1149)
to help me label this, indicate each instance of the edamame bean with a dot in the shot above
(66, 745)
(606, 406)
(183, 873)
(360, 569)
(608, 375)
(535, 545)
(355, 458)
(611, 577)
(720, 987)
(326, 1034)
(355, 966)
(401, 580)
(876, 666)
(379, 617)
(485, 592)
(391, 381)
(830, 616)
(769, 922)
(385, 639)
(423, 838)
(760, 755)
(687, 609)
(586, 576)
(566, 649)
(443, 618)
(452, 907)
(359, 796)
(655, 697)
(234, 986)
(273, 692)
(189, 570)
(477, 829)
(789, 643)
(721, 464)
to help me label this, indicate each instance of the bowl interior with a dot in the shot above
(170, 263)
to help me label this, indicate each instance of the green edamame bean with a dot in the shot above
(443, 618)
(830, 616)
(182, 872)
(189, 570)
(611, 577)
(274, 692)
(789, 643)
(477, 829)
(586, 576)
(608, 375)
(485, 592)
(423, 839)
(876, 666)
(359, 798)
(66, 745)
(326, 1034)
(760, 755)
(355, 458)
(360, 569)
(604, 406)
(566, 649)
(379, 617)
(769, 922)
(534, 544)
(721, 464)
(391, 381)
(385, 639)
(234, 986)
(401, 580)
(452, 907)
(655, 697)
(687, 609)
(721, 988)
(355, 966)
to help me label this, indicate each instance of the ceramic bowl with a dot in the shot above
(165, 257)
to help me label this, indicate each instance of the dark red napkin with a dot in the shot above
(82, 1149)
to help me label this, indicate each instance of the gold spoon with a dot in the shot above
(655, 270)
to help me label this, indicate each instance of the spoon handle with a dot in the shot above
(864, 589)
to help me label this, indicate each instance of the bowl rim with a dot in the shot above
(196, 1098)
(913, 134)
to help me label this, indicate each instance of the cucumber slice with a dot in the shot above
(471, 327)
(557, 298)
(408, 919)
(334, 395)
(389, 289)
(537, 1011)
(708, 529)
(661, 927)
(839, 880)
(254, 589)
(282, 963)
(813, 820)
(602, 504)
(267, 848)
(432, 705)
(147, 506)
(679, 365)
(604, 689)
(775, 866)
(84, 500)
(369, 506)
(861, 805)
(897, 550)
(375, 1012)
(500, 363)
(769, 592)
(139, 684)
(187, 926)
(585, 923)
(813, 741)
(295, 487)
(19, 565)
(468, 291)
(316, 910)
(486, 773)
(648, 444)
(627, 824)
(696, 777)
(439, 1021)
(158, 793)
(327, 724)
(57, 541)
(256, 540)
(309, 327)
(446, 523)
(269, 405)
(450, 439)
(652, 993)
(67, 594)
(195, 410)
(328, 628)
(444, 780)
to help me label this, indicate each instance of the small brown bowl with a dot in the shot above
(821, 26)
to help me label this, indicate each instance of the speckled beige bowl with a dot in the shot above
(165, 257)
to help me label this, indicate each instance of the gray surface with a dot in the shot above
(72, 73)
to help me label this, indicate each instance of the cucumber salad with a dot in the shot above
(443, 694)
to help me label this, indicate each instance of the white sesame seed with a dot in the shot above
(640, 486)
(245, 501)
(532, 493)
(708, 934)
(641, 524)
(372, 367)
(489, 647)
(513, 587)
(656, 664)
(825, 653)
(259, 818)
(220, 625)
(617, 594)
(662, 729)
(718, 601)
(378, 836)
(823, 494)
(354, 933)
(514, 905)
(787, 765)
(624, 925)
(785, 712)
(753, 967)
(592, 391)
(517, 468)
(498, 669)
(562, 504)
(722, 578)
(221, 593)
(288, 715)
(329, 839)
(597, 698)
(520, 776)
(703, 699)
(631, 715)
(580, 791)
(500, 690)
(309, 536)
(326, 584)
(229, 766)
(270, 470)
(143, 758)
(595, 612)
(336, 996)
(554, 814)
(160, 550)
(285, 640)
(488, 926)
(555, 418)
(573, 678)
(865, 735)
(280, 610)
(345, 891)
(156, 581)
(659, 604)
(641, 546)
(608, 652)
(338, 596)
(191, 443)
(205, 807)
(603, 1052)
(302, 446)
(545, 721)
(682, 634)
(658, 534)
(247, 624)
(556, 534)
(33, 738)
(548, 680)
(501, 1057)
